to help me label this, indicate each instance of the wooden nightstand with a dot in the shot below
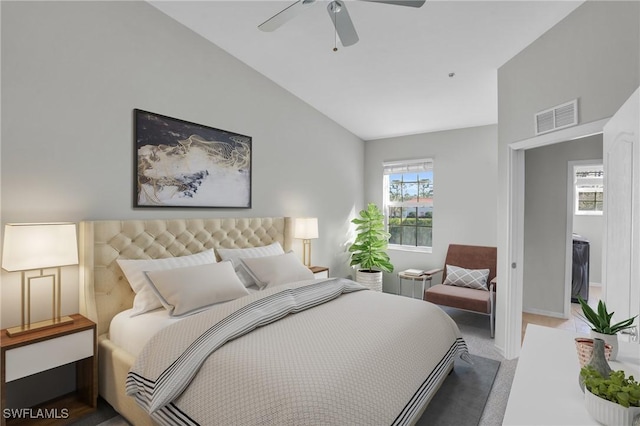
(320, 271)
(44, 350)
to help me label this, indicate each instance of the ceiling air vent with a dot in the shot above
(558, 117)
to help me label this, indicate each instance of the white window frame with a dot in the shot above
(398, 167)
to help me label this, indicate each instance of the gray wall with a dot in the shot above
(465, 182)
(545, 221)
(72, 72)
(594, 55)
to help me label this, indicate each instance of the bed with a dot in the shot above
(304, 352)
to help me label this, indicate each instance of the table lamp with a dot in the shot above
(306, 229)
(35, 247)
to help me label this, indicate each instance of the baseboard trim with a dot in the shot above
(544, 313)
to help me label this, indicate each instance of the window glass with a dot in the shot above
(408, 202)
(589, 190)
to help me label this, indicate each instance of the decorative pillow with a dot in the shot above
(471, 278)
(234, 255)
(275, 270)
(134, 270)
(185, 291)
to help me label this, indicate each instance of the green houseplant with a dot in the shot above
(369, 250)
(617, 388)
(601, 326)
(611, 400)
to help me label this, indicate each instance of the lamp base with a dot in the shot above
(38, 326)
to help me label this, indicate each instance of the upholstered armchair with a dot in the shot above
(466, 284)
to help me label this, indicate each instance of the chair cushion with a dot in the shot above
(470, 278)
(460, 297)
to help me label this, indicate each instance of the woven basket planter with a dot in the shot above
(584, 346)
(372, 280)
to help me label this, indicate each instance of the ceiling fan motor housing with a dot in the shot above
(339, 15)
(335, 6)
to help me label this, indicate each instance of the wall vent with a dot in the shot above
(558, 117)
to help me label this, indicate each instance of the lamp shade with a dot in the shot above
(306, 228)
(39, 245)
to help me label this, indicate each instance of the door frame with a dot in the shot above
(515, 233)
(628, 111)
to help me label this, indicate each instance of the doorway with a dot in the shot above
(621, 154)
(510, 303)
(548, 224)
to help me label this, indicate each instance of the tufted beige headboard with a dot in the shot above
(104, 291)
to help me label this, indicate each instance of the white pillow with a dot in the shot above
(134, 270)
(185, 291)
(276, 270)
(471, 278)
(234, 255)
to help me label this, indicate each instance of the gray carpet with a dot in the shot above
(462, 397)
(101, 416)
(475, 330)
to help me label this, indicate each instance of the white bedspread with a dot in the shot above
(362, 357)
(132, 333)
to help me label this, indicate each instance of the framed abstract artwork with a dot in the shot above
(183, 164)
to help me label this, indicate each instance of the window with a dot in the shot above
(589, 186)
(408, 203)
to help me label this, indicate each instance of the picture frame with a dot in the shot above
(183, 164)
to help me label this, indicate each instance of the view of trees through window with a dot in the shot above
(410, 208)
(590, 201)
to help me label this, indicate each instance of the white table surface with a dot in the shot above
(545, 388)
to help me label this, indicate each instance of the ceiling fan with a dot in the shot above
(337, 11)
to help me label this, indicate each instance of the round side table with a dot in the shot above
(422, 278)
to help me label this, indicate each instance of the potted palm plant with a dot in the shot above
(369, 250)
(601, 326)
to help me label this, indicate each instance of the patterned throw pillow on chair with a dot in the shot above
(471, 278)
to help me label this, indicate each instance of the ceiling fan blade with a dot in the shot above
(342, 21)
(285, 15)
(410, 3)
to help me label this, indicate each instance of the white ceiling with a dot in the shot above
(395, 80)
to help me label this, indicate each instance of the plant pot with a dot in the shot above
(609, 339)
(584, 346)
(370, 279)
(609, 413)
